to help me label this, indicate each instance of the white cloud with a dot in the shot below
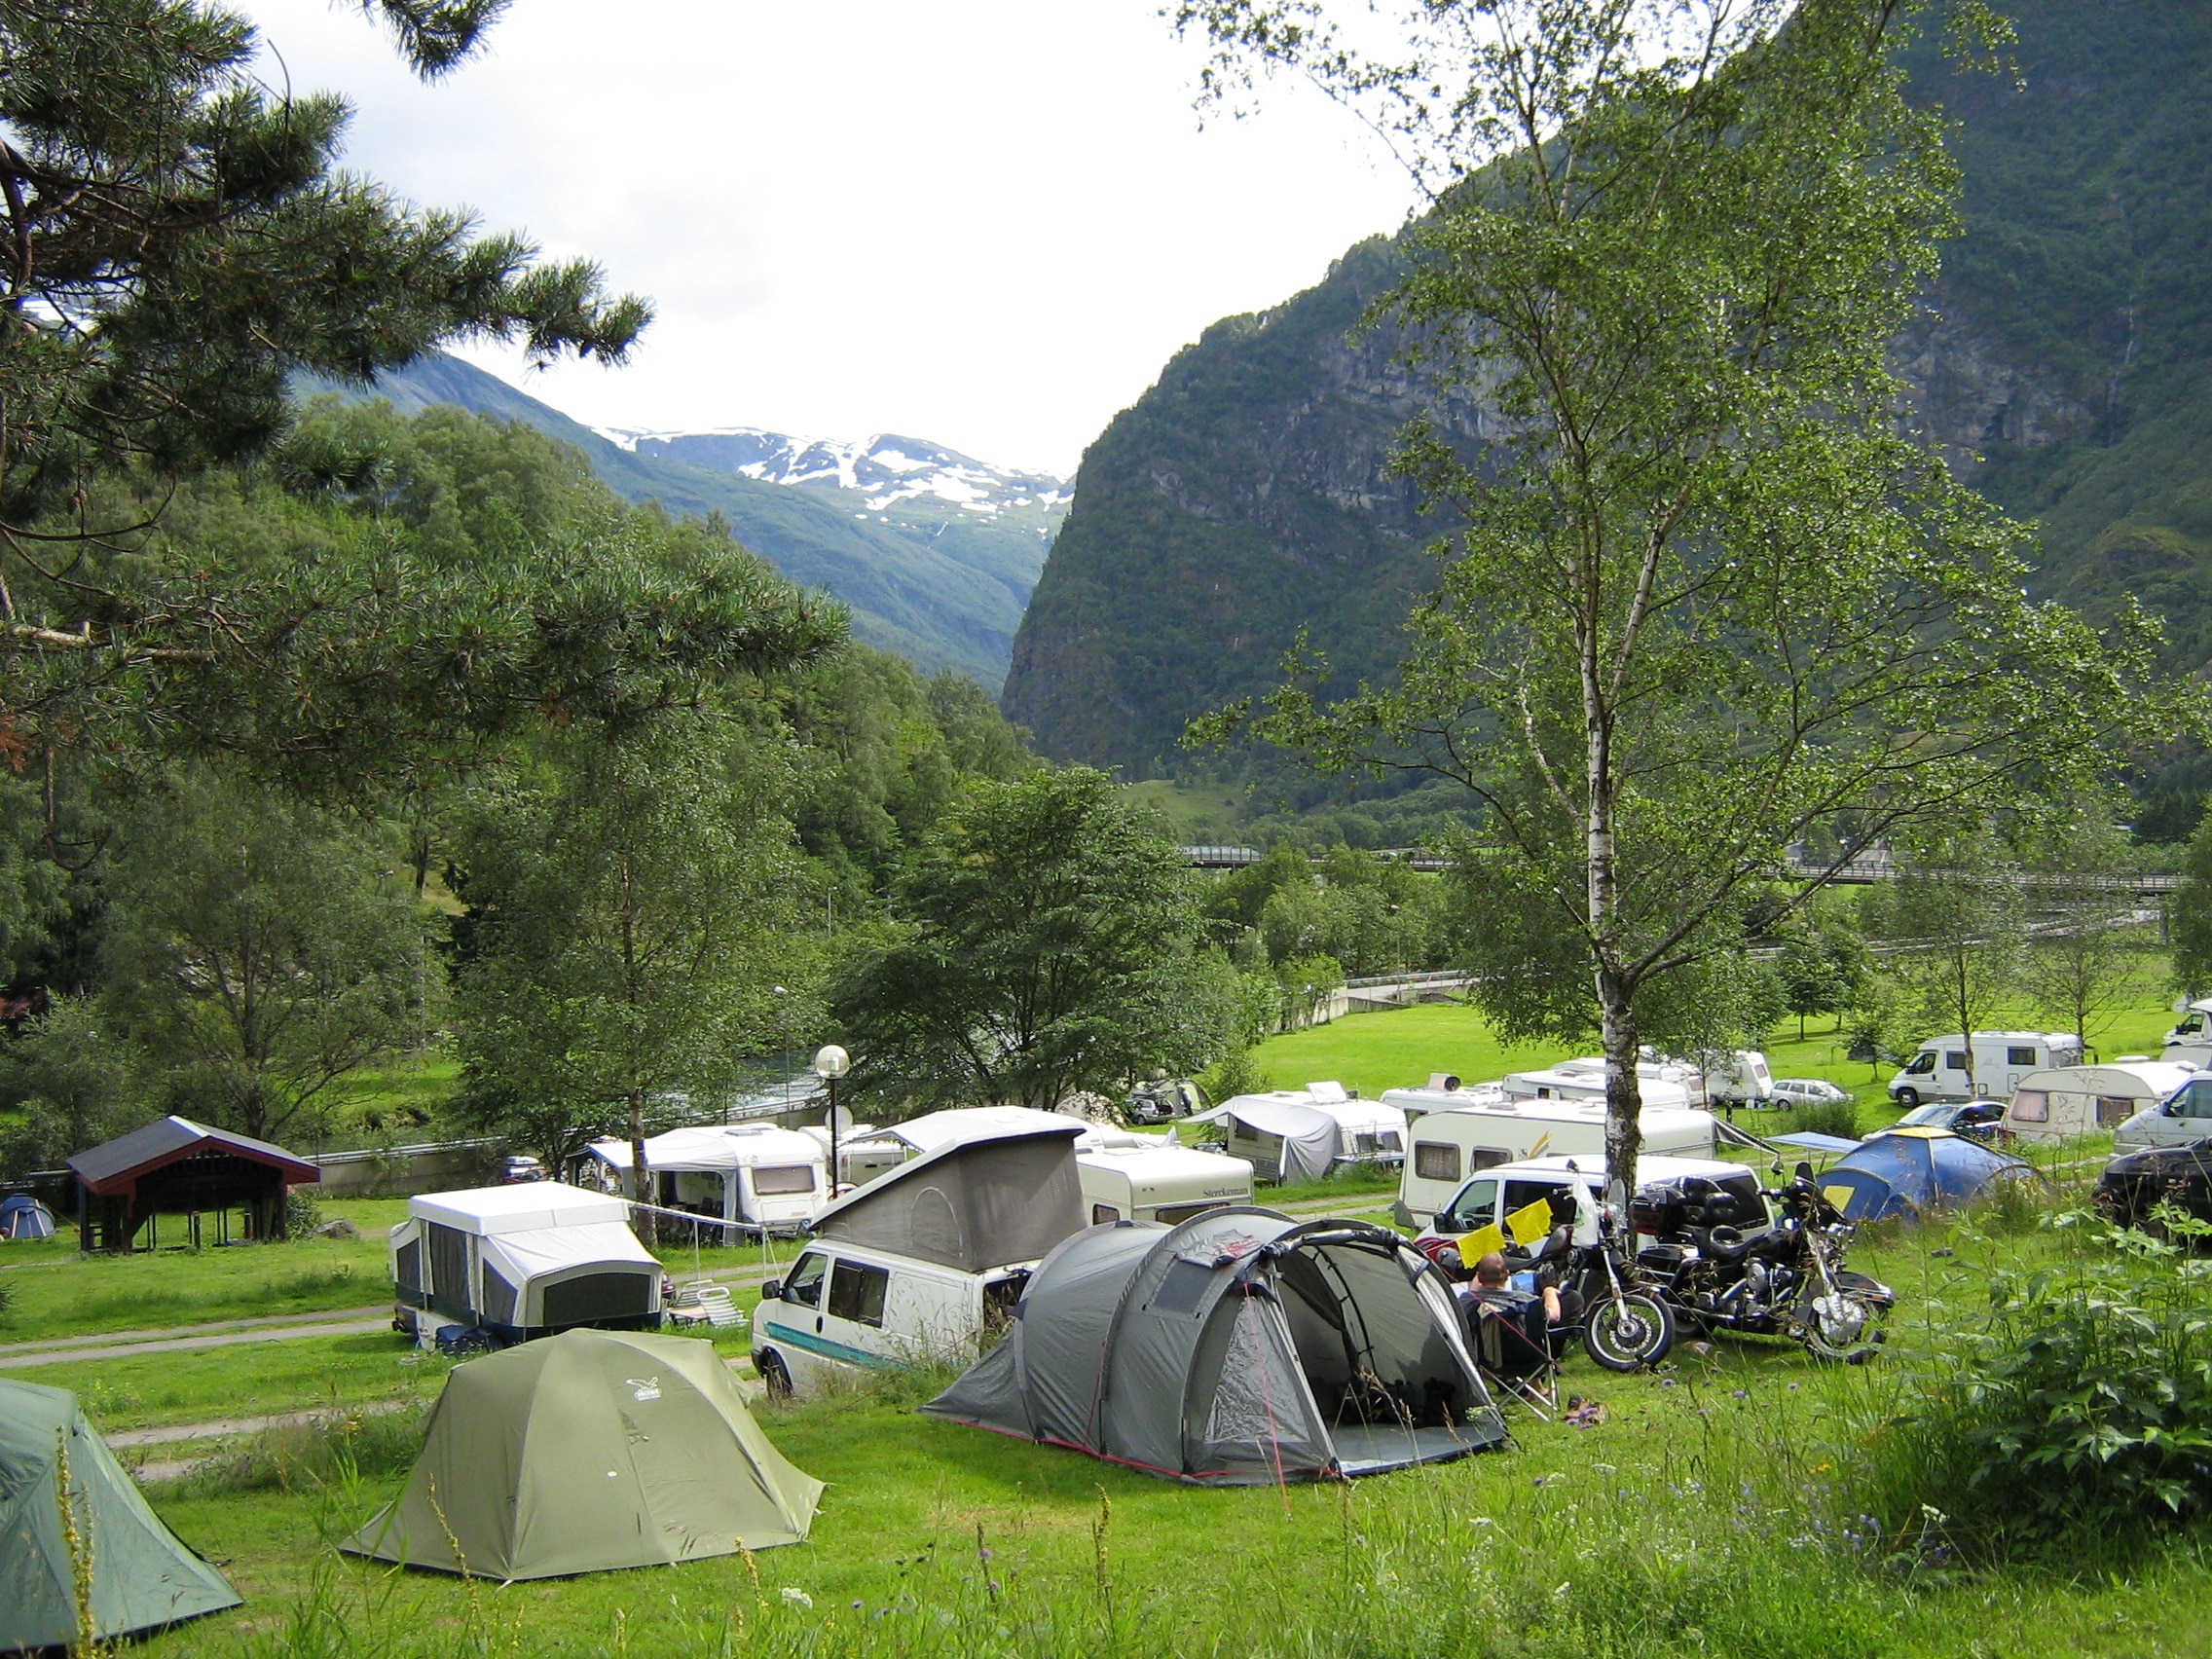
(983, 222)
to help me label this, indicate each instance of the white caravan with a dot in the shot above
(2190, 1041)
(1166, 1184)
(916, 1265)
(2079, 1100)
(1452, 1135)
(519, 1261)
(1990, 1067)
(1585, 1081)
(1718, 1076)
(749, 1175)
(1301, 1135)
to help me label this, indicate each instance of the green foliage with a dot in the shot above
(1237, 1072)
(1817, 1117)
(1961, 912)
(1823, 966)
(254, 955)
(2191, 914)
(1050, 947)
(630, 906)
(76, 1082)
(2079, 1412)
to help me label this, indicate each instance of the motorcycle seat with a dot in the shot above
(1722, 1245)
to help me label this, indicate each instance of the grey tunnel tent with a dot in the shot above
(142, 1578)
(586, 1451)
(1240, 1348)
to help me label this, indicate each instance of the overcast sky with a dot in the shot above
(983, 222)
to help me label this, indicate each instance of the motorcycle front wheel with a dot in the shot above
(1627, 1333)
(1839, 1326)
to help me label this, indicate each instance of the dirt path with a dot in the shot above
(343, 1327)
(213, 1327)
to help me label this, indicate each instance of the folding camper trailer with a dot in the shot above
(753, 1176)
(1301, 1135)
(2066, 1101)
(520, 1261)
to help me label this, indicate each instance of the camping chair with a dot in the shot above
(1514, 1349)
(708, 1304)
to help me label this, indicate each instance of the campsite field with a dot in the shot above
(1699, 1517)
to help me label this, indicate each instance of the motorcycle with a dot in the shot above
(1787, 1280)
(1623, 1323)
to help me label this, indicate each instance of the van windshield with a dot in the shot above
(804, 1286)
(1922, 1064)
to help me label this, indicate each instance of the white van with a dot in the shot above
(1449, 1142)
(2190, 1041)
(1991, 1067)
(1166, 1184)
(917, 1264)
(2078, 1100)
(2183, 1117)
(1496, 1193)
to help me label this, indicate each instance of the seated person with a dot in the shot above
(1493, 1287)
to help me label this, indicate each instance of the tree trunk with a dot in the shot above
(640, 1178)
(1624, 1091)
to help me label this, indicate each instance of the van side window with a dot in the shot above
(1436, 1160)
(1955, 1060)
(1104, 1215)
(2193, 1099)
(1519, 1194)
(773, 1180)
(856, 1292)
(804, 1286)
(2019, 1056)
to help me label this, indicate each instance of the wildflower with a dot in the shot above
(797, 1597)
(1740, 1394)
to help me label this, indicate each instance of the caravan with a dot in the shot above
(1453, 1132)
(2078, 1100)
(1992, 1065)
(1166, 1184)
(505, 1264)
(1585, 1081)
(753, 1176)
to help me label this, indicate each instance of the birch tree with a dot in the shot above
(1702, 592)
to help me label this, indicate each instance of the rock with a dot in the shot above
(339, 1229)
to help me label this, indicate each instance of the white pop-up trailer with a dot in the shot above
(521, 1262)
(1299, 1134)
(753, 1177)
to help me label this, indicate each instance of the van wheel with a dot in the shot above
(1909, 1098)
(775, 1375)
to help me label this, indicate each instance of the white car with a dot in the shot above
(1808, 1091)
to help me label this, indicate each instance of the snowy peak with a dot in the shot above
(885, 470)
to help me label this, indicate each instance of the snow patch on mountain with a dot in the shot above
(885, 470)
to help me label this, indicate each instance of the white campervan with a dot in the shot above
(1167, 1183)
(2190, 1041)
(1991, 1066)
(1451, 1137)
(916, 1265)
(517, 1261)
(1301, 1135)
(2079, 1100)
(750, 1175)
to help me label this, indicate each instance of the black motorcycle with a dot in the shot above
(1605, 1297)
(1786, 1280)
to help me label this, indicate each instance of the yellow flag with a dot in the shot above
(1529, 1223)
(1480, 1243)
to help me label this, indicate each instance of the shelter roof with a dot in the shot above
(519, 1208)
(715, 1146)
(113, 1167)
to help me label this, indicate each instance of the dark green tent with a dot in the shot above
(589, 1451)
(142, 1578)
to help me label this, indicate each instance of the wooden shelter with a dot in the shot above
(183, 1167)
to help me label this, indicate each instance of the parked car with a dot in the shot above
(1808, 1091)
(2135, 1183)
(1977, 1120)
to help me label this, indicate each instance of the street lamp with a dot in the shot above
(830, 1063)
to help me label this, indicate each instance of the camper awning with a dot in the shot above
(972, 1204)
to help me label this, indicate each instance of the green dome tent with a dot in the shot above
(590, 1450)
(142, 1578)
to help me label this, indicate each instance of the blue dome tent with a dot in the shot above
(1902, 1172)
(23, 1216)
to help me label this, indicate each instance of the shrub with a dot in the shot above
(1817, 1117)
(2077, 1419)
(1235, 1073)
(302, 1215)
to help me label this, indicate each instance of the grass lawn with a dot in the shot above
(1683, 1524)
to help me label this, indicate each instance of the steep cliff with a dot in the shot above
(2064, 365)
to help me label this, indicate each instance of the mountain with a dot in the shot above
(2064, 364)
(934, 553)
